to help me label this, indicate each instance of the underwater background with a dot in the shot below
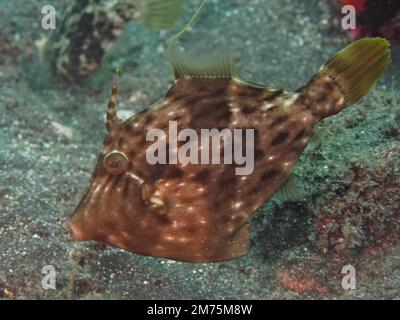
(51, 132)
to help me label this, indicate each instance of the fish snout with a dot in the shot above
(73, 231)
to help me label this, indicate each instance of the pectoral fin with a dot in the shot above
(290, 191)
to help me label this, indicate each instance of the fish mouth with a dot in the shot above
(107, 196)
(73, 232)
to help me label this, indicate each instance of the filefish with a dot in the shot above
(197, 212)
(88, 29)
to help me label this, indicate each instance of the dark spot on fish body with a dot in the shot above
(279, 120)
(254, 190)
(206, 104)
(323, 97)
(211, 87)
(300, 134)
(214, 89)
(198, 88)
(185, 101)
(280, 138)
(202, 176)
(224, 219)
(217, 94)
(163, 219)
(246, 92)
(269, 175)
(148, 118)
(228, 180)
(258, 154)
(303, 103)
(248, 110)
(211, 115)
(173, 172)
(327, 85)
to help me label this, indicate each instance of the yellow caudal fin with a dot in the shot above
(356, 68)
(159, 14)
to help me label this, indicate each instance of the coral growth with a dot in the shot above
(301, 279)
(355, 226)
(363, 216)
(8, 49)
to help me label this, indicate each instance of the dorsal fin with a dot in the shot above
(211, 66)
(112, 116)
(159, 14)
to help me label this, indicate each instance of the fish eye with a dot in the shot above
(116, 162)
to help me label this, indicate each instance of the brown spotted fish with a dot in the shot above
(198, 212)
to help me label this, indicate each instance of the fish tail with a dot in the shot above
(159, 14)
(347, 76)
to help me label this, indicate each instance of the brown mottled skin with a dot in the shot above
(199, 213)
